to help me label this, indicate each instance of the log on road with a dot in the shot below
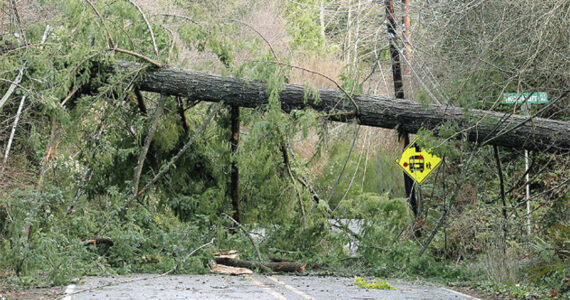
(275, 266)
(480, 126)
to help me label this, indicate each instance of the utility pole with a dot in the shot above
(403, 136)
(234, 140)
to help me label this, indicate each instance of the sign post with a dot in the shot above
(526, 99)
(526, 108)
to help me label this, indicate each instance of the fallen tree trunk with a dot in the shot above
(480, 126)
(275, 266)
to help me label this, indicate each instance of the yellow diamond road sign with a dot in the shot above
(417, 162)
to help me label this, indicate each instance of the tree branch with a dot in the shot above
(246, 234)
(148, 140)
(147, 25)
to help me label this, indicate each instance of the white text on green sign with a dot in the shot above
(510, 98)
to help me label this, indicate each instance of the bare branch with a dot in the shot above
(247, 234)
(147, 25)
(138, 55)
(12, 135)
(109, 36)
(13, 86)
(148, 140)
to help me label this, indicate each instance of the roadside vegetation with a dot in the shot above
(76, 159)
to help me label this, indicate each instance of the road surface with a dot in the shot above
(248, 287)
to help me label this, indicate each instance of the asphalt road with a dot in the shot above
(247, 287)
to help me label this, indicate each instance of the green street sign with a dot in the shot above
(510, 98)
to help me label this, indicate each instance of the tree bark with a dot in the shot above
(182, 114)
(275, 266)
(479, 126)
(140, 101)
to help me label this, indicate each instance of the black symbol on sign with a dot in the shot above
(416, 163)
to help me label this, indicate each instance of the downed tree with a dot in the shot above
(275, 266)
(480, 126)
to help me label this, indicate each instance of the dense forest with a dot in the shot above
(109, 165)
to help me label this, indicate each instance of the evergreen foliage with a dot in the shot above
(69, 176)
